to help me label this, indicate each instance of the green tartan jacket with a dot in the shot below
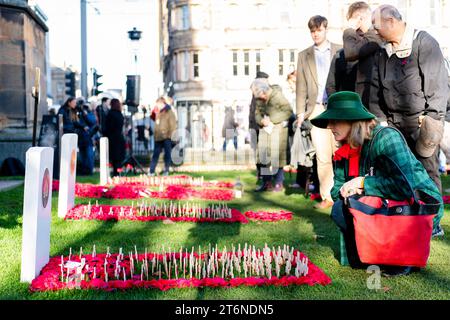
(387, 181)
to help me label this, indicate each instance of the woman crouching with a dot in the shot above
(373, 161)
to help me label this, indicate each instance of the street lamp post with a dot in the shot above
(84, 90)
(135, 36)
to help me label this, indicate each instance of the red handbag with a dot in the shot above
(390, 232)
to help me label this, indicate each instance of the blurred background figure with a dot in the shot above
(165, 127)
(272, 114)
(114, 131)
(143, 128)
(101, 112)
(88, 118)
(229, 128)
(71, 121)
(290, 94)
(253, 127)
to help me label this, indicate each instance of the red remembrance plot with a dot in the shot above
(144, 212)
(184, 268)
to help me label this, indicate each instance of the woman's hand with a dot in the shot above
(265, 121)
(352, 187)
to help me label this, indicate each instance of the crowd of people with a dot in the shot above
(90, 122)
(386, 75)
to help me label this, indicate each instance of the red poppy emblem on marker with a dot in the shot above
(45, 188)
(73, 161)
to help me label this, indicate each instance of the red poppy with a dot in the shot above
(269, 216)
(446, 199)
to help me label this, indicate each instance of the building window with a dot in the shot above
(235, 63)
(285, 19)
(186, 65)
(291, 60)
(403, 6)
(175, 67)
(234, 16)
(185, 18)
(195, 64)
(200, 17)
(246, 62)
(258, 60)
(434, 12)
(280, 62)
(185, 69)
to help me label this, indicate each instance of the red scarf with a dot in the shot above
(352, 155)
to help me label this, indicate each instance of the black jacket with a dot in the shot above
(405, 88)
(342, 74)
(69, 125)
(361, 47)
(114, 132)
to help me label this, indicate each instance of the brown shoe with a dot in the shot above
(325, 204)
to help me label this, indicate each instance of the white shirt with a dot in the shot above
(323, 62)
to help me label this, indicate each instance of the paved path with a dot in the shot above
(9, 184)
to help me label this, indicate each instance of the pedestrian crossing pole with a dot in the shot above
(84, 91)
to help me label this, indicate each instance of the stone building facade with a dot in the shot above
(211, 50)
(22, 49)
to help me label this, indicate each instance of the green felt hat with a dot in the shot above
(344, 105)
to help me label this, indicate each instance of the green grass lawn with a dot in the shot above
(431, 283)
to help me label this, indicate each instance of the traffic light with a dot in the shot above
(95, 87)
(70, 84)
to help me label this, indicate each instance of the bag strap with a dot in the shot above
(369, 155)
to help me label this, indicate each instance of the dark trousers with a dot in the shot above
(255, 148)
(431, 164)
(235, 143)
(278, 177)
(86, 160)
(307, 175)
(411, 133)
(159, 146)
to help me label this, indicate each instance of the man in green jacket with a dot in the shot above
(271, 114)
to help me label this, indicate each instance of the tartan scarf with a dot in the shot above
(352, 155)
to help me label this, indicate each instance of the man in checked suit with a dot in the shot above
(312, 72)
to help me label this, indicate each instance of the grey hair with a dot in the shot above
(260, 86)
(389, 11)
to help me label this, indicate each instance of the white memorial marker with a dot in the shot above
(66, 196)
(37, 207)
(104, 160)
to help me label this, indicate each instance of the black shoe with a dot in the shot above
(394, 271)
(264, 187)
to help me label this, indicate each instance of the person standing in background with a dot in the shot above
(165, 127)
(229, 128)
(361, 42)
(410, 88)
(272, 114)
(114, 132)
(253, 127)
(290, 95)
(101, 112)
(87, 151)
(312, 71)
